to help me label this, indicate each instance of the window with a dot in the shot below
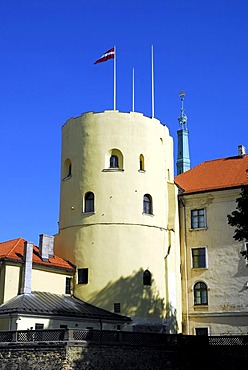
(147, 204)
(68, 285)
(141, 163)
(39, 326)
(83, 276)
(198, 219)
(67, 170)
(200, 294)
(147, 278)
(62, 326)
(201, 331)
(114, 162)
(117, 307)
(199, 257)
(89, 200)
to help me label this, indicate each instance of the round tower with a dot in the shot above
(117, 219)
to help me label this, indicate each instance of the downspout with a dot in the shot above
(186, 264)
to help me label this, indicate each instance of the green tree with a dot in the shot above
(239, 218)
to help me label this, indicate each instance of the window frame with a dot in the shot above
(194, 257)
(201, 328)
(117, 307)
(83, 276)
(200, 294)
(147, 204)
(195, 220)
(89, 204)
(68, 285)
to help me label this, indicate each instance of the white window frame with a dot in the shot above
(205, 219)
(206, 257)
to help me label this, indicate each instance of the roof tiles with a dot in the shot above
(13, 250)
(224, 173)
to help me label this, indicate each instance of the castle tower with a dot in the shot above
(118, 215)
(183, 159)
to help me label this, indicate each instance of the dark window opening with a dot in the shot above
(68, 285)
(114, 162)
(147, 204)
(39, 326)
(89, 202)
(83, 276)
(147, 278)
(201, 331)
(63, 326)
(117, 307)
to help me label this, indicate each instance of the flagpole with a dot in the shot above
(114, 78)
(133, 92)
(152, 83)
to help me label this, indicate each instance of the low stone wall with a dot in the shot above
(92, 356)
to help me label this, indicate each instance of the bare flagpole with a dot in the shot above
(114, 77)
(133, 92)
(152, 83)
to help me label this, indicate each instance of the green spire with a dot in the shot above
(183, 160)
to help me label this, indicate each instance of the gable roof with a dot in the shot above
(224, 173)
(13, 251)
(42, 303)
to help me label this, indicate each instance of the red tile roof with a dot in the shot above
(13, 250)
(217, 174)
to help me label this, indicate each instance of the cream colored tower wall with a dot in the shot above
(226, 273)
(118, 242)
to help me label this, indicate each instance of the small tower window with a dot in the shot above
(67, 170)
(89, 201)
(117, 307)
(141, 163)
(147, 278)
(114, 163)
(147, 204)
(83, 276)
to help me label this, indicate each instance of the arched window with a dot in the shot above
(147, 278)
(89, 202)
(147, 204)
(114, 160)
(114, 163)
(67, 170)
(200, 293)
(141, 163)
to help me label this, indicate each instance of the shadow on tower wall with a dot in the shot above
(136, 300)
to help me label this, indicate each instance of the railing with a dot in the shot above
(119, 337)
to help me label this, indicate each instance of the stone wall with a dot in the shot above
(91, 356)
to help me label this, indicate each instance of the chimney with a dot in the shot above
(27, 269)
(46, 246)
(241, 150)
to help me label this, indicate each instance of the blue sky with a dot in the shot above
(47, 75)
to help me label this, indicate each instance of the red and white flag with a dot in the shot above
(110, 54)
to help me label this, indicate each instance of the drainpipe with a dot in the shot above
(186, 264)
(27, 268)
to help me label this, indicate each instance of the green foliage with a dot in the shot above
(239, 218)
